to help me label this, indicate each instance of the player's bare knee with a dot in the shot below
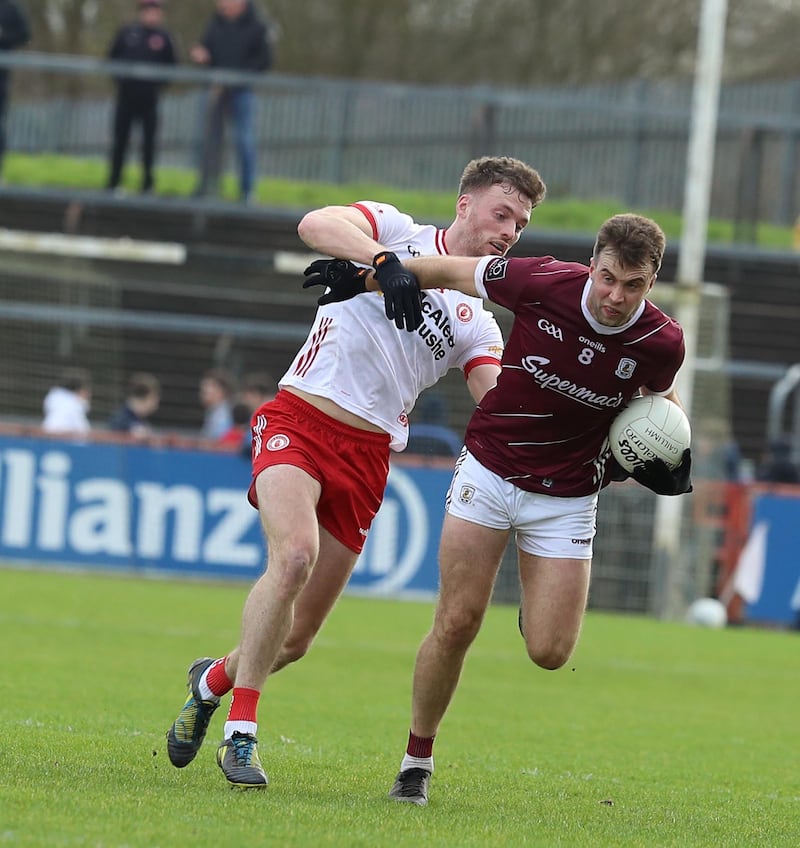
(548, 657)
(291, 571)
(457, 630)
(292, 651)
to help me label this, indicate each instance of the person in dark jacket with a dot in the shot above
(144, 40)
(142, 399)
(237, 39)
(14, 32)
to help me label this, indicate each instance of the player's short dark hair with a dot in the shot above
(495, 170)
(635, 239)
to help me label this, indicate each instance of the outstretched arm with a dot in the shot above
(340, 231)
(400, 283)
(445, 272)
(439, 272)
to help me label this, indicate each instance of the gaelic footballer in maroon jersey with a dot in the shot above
(565, 375)
(584, 340)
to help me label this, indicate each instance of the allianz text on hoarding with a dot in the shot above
(185, 511)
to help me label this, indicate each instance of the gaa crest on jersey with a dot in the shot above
(551, 329)
(496, 270)
(464, 313)
(625, 368)
(466, 494)
(278, 442)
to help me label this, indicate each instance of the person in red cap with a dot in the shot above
(144, 40)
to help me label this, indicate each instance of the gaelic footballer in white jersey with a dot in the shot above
(456, 332)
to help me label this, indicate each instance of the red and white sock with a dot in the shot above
(243, 711)
(214, 682)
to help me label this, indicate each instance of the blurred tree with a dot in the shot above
(467, 42)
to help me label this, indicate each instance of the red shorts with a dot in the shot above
(351, 465)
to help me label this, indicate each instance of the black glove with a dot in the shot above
(656, 475)
(401, 297)
(617, 474)
(343, 278)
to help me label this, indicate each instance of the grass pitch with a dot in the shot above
(655, 734)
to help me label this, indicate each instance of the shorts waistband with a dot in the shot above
(328, 424)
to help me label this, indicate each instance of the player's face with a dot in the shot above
(616, 292)
(491, 220)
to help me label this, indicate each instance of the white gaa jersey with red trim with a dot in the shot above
(357, 358)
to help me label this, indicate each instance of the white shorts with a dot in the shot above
(560, 528)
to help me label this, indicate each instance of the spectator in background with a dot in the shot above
(216, 392)
(256, 389)
(235, 39)
(67, 404)
(145, 40)
(238, 436)
(778, 466)
(142, 399)
(14, 32)
(428, 433)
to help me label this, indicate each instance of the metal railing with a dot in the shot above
(625, 142)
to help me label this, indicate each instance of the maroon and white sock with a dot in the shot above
(419, 753)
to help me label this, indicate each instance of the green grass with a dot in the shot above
(554, 214)
(655, 734)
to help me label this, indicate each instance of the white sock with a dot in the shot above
(232, 727)
(410, 762)
(202, 687)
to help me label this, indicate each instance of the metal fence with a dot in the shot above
(625, 142)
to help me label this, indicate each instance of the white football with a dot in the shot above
(707, 612)
(649, 427)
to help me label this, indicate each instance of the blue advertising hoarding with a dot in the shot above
(175, 511)
(776, 578)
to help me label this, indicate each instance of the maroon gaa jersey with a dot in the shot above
(544, 426)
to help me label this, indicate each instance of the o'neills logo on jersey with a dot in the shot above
(556, 383)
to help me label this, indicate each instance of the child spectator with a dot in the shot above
(216, 391)
(257, 388)
(142, 399)
(66, 405)
(238, 436)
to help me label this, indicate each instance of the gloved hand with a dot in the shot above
(656, 475)
(401, 297)
(343, 278)
(617, 473)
